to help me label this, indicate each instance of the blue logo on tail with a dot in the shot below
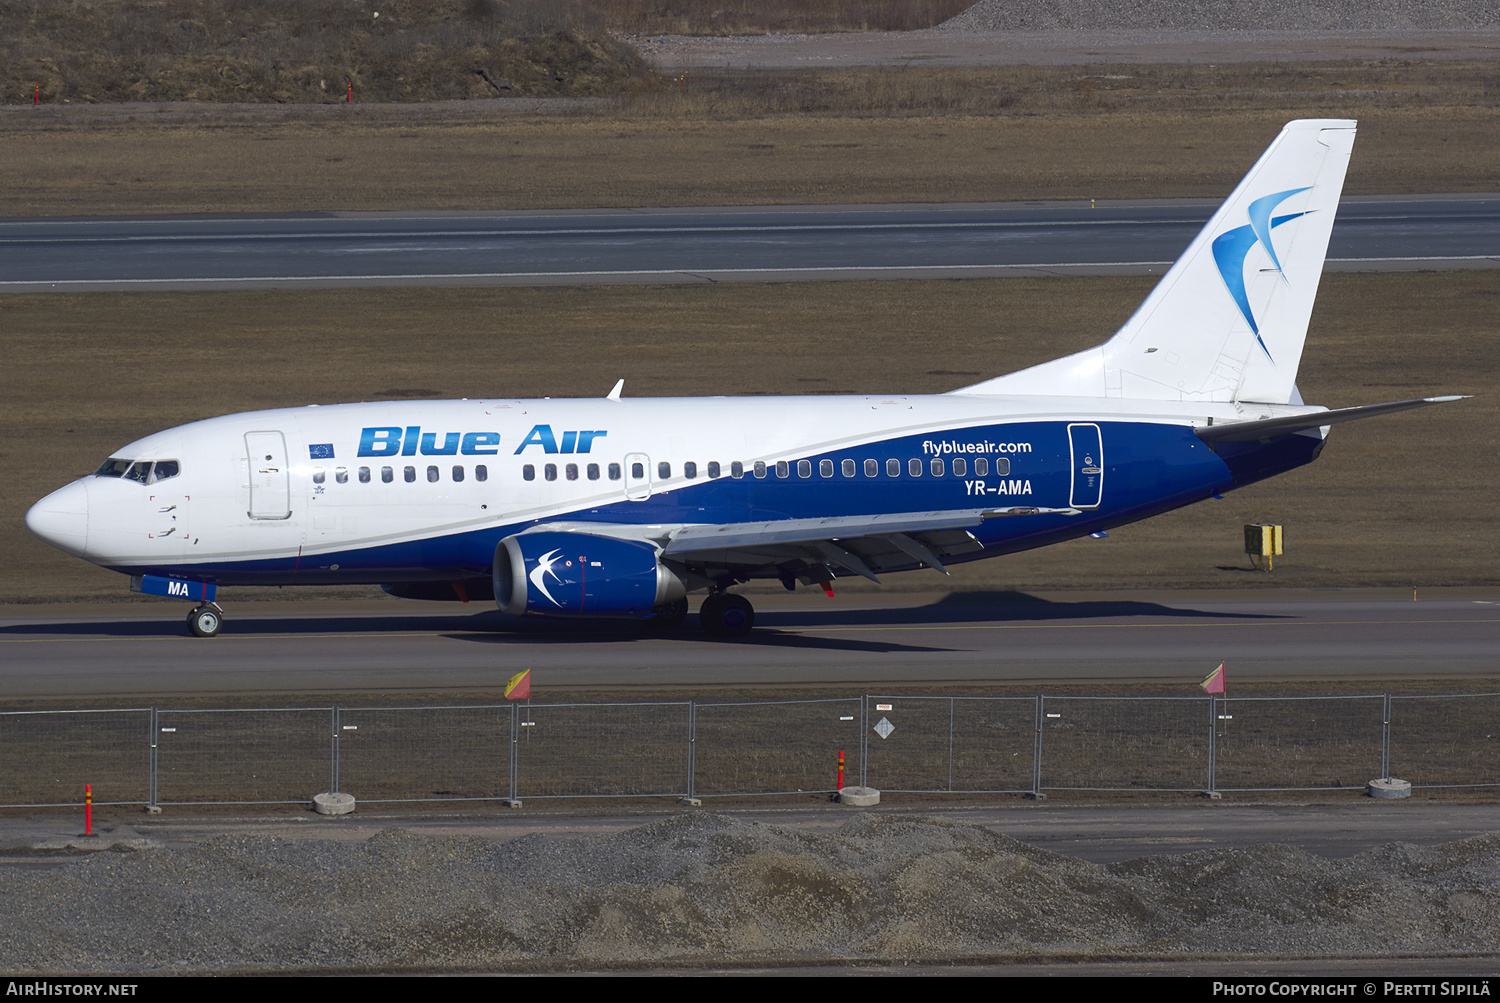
(1231, 247)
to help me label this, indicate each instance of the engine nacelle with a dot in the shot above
(580, 574)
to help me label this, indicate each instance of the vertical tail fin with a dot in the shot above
(1228, 320)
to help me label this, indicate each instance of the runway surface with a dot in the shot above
(869, 643)
(696, 245)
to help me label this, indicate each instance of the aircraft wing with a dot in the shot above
(809, 549)
(863, 544)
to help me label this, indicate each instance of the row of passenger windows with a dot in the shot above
(408, 474)
(571, 471)
(782, 468)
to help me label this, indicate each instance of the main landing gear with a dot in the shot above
(205, 620)
(726, 615)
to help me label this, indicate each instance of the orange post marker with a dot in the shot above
(88, 809)
(841, 771)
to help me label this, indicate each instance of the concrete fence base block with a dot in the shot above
(333, 804)
(860, 797)
(1388, 787)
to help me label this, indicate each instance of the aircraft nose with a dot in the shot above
(62, 518)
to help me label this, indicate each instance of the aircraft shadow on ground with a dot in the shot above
(774, 628)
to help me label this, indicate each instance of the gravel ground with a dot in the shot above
(1067, 32)
(1226, 15)
(704, 889)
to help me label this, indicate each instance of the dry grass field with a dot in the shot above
(879, 135)
(1401, 500)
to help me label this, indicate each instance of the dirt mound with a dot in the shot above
(703, 888)
(301, 51)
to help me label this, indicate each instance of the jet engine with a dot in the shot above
(581, 574)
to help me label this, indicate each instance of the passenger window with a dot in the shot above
(1002, 466)
(664, 470)
(481, 472)
(364, 475)
(937, 467)
(690, 470)
(409, 474)
(736, 470)
(637, 471)
(614, 471)
(571, 471)
(981, 466)
(960, 466)
(713, 468)
(458, 475)
(387, 475)
(528, 473)
(804, 468)
(893, 467)
(549, 472)
(341, 475)
(593, 471)
(849, 468)
(914, 465)
(825, 468)
(872, 468)
(319, 475)
(760, 469)
(782, 468)
(432, 475)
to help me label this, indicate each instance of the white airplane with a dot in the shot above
(615, 507)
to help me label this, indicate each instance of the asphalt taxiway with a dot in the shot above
(868, 642)
(678, 245)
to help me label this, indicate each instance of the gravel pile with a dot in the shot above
(1226, 15)
(701, 888)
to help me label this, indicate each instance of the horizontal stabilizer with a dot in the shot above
(1247, 431)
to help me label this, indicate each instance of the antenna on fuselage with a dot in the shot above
(614, 394)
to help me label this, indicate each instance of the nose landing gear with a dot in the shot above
(205, 620)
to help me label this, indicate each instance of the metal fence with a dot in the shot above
(511, 752)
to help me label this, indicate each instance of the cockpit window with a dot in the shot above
(140, 471)
(112, 468)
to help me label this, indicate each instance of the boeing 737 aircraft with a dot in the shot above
(616, 507)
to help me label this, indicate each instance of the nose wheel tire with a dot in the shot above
(725, 615)
(205, 621)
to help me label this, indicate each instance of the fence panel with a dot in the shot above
(1446, 741)
(1124, 743)
(973, 744)
(1298, 743)
(48, 756)
(602, 750)
(244, 756)
(424, 753)
(785, 747)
